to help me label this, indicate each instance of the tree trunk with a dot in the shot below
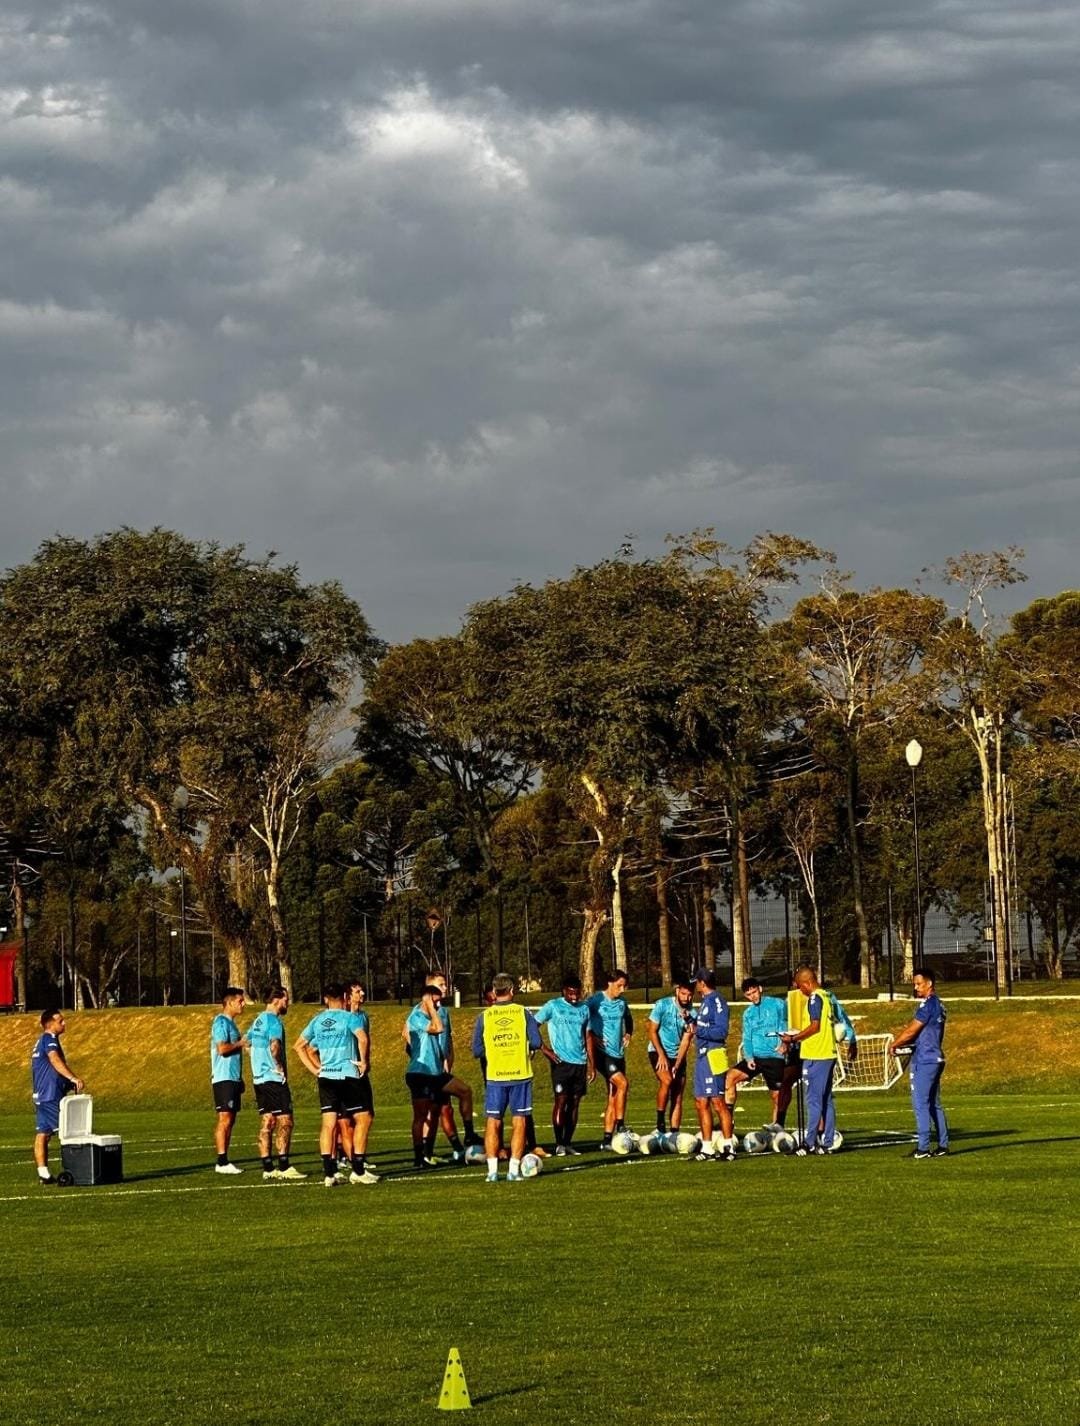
(593, 920)
(985, 736)
(819, 937)
(271, 877)
(708, 914)
(906, 935)
(238, 966)
(742, 951)
(618, 931)
(852, 808)
(1052, 957)
(663, 924)
(18, 894)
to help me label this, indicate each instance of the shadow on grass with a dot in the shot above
(507, 1391)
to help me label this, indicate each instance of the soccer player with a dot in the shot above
(670, 1027)
(426, 1074)
(52, 1078)
(710, 1070)
(335, 1047)
(506, 1036)
(610, 1027)
(453, 1088)
(572, 1065)
(763, 1020)
(927, 1030)
(817, 1046)
(272, 1093)
(227, 1046)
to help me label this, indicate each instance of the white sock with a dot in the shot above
(493, 1165)
(515, 1165)
(43, 1172)
(718, 1140)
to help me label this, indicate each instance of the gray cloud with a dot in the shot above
(435, 296)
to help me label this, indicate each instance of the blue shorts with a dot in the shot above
(710, 1074)
(512, 1094)
(47, 1116)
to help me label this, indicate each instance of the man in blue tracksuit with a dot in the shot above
(927, 1030)
(710, 1070)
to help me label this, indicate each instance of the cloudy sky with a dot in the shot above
(433, 295)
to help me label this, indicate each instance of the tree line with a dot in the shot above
(616, 754)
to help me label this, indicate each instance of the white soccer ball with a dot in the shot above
(837, 1141)
(756, 1142)
(669, 1143)
(653, 1144)
(623, 1143)
(475, 1154)
(686, 1143)
(531, 1165)
(784, 1143)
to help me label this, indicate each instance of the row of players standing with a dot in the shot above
(585, 1038)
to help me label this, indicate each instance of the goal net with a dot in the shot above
(877, 1066)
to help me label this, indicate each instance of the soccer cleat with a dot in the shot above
(433, 1162)
(939, 1152)
(271, 1175)
(343, 1165)
(726, 1156)
(574, 1153)
(366, 1177)
(919, 1154)
(291, 1175)
(702, 1157)
(539, 1152)
(457, 1156)
(227, 1168)
(803, 1152)
(333, 1180)
(513, 1178)
(492, 1178)
(46, 1181)
(560, 1151)
(606, 1148)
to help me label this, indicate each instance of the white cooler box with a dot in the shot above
(89, 1158)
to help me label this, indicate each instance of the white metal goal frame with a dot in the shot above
(876, 1067)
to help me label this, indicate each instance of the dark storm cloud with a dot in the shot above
(431, 296)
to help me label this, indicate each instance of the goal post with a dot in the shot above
(876, 1067)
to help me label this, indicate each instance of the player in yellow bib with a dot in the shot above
(817, 1045)
(506, 1036)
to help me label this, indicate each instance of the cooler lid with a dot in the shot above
(76, 1116)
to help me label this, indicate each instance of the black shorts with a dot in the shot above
(609, 1065)
(428, 1086)
(227, 1094)
(571, 1080)
(273, 1097)
(770, 1067)
(346, 1097)
(680, 1074)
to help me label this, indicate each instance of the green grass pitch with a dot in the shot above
(864, 1288)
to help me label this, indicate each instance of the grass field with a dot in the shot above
(864, 1288)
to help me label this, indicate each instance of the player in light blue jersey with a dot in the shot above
(610, 1027)
(452, 1088)
(670, 1027)
(335, 1047)
(272, 1093)
(764, 1020)
(227, 1046)
(572, 1065)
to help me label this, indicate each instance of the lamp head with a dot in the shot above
(913, 753)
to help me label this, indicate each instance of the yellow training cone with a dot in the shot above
(455, 1394)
